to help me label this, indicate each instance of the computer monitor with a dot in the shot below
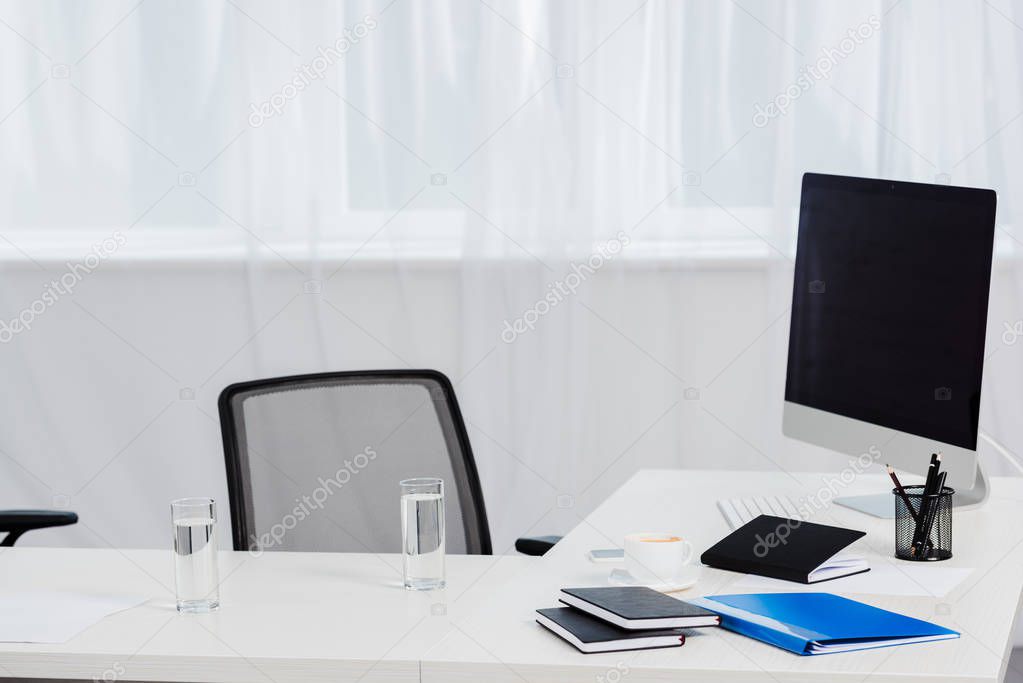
(889, 310)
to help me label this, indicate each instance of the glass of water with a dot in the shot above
(422, 533)
(196, 579)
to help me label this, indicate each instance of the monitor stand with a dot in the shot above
(882, 505)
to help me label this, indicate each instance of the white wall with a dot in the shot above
(96, 420)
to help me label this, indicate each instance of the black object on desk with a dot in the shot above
(935, 525)
(919, 534)
(637, 607)
(787, 549)
(589, 634)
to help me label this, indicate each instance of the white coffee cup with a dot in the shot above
(656, 557)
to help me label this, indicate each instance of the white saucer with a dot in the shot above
(686, 579)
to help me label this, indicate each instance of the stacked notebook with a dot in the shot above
(613, 618)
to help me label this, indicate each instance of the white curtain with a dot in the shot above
(319, 186)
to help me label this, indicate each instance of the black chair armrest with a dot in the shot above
(535, 545)
(17, 522)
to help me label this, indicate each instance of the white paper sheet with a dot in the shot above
(885, 579)
(55, 617)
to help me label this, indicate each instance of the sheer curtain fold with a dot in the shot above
(443, 179)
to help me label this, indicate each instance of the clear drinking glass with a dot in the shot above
(422, 533)
(196, 579)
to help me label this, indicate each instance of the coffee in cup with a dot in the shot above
(655, 557)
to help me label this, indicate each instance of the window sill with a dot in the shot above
(220, 248)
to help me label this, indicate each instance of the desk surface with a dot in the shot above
(298, 616)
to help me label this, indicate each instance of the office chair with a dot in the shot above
(16, 522)
(314, 461)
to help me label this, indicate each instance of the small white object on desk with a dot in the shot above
(656, 557)
(606, 555)
(55, 617)
(685, 579)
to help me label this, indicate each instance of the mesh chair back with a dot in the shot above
(314, 461)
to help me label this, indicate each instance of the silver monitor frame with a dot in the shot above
(903, 451)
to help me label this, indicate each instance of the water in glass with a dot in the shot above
(422, 518)
(195, 563)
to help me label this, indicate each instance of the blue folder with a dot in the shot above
(818, 623)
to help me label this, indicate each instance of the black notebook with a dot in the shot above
(787, 549)
(637, 607)
(589, 634)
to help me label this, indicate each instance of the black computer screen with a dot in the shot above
(889, 304)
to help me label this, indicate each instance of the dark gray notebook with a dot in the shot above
(787, 549)
(637, 607)
(589, 634)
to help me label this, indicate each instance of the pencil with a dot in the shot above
(902, 492)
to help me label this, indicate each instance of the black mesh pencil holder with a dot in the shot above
(913, 541)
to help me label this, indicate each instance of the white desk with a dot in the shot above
(501, 644)
(285, 616)
(292, 616)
